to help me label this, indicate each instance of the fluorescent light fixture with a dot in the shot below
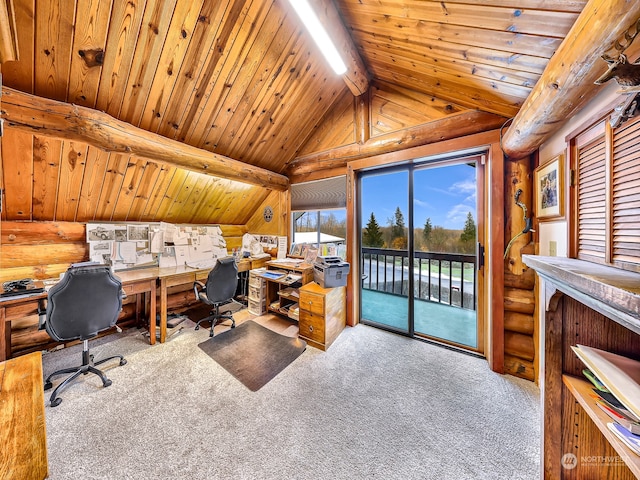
(319, 35)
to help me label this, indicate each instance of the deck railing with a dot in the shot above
(438, 277)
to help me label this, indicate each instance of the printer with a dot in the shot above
(329, 272)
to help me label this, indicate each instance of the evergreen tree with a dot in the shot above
(426, 231)
(397, 227)
(468, 235)
(372, 235)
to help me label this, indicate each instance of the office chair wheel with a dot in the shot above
(56, 402)
(107, 383)
(123, 362)
(48, 385)
(211, 334)
(197, 327)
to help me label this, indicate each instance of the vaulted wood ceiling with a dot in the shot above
(242, 79)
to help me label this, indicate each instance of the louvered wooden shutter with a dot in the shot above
(592, 236)
(625, 194)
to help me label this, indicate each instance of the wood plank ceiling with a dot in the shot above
(241, 79)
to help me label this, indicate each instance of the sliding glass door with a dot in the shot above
(419, 236)
(444, 207)
(384, 239)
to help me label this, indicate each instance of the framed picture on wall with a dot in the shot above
(548, 184)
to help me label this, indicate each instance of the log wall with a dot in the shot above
(520, 347)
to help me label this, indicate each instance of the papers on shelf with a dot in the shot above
(620, 375)
(273, 274)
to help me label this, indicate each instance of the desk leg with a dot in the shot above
(5, 337)
(163, 310)
(152, 313)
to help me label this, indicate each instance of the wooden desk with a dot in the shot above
(23, 439)
(133, 282)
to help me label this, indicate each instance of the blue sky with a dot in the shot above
(445, 194)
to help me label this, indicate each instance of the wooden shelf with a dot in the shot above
(613, 292)
(583, 391)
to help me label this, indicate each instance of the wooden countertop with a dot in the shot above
(23, 441)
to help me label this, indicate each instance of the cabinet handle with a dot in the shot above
(311, 328)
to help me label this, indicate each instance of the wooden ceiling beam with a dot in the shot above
(453, 126)
(52, 118)
(357, 76)
(567, 82)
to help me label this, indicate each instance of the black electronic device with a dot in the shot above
(25, 286)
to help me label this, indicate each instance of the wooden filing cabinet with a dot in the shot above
(322, 314)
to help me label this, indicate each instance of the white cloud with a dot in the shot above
(457, 215)
(421, 203)
(464, 186)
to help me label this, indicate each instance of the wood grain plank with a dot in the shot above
(159, 191)
(504, 105)
(24, 442)
(207, 47)
(247, 27)
(130, 184)
(574, 6)
(113, 178)
(46, 170)
(145, 191)
(124, 29)
(225, 135)
(213, 75)
(72, 163)
(183, 23)
(247, 80)
(411, 13)
(95, 170)
(54, 36)
(173, 189)
(17, 170)
(20, 74)
(449, 50)
(89, 44)
(153, 32)
(336, 129)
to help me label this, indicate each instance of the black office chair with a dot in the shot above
(85, 302)
(220, 289)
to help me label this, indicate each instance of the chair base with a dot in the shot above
(216, 317)
(88, 366)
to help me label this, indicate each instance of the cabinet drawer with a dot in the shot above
(311, 326)
(312, 303)
(256, 293)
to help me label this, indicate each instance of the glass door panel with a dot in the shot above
(444, 263)
(384, 240)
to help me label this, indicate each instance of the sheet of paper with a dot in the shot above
(124, 252)
(156, 241)
(167, 258)
(182, 254)
(282, 247)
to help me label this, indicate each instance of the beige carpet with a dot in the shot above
(375, 405)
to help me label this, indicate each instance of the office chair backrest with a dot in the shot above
(86, 301)
(222, 281)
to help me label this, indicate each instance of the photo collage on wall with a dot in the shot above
(159, 244)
